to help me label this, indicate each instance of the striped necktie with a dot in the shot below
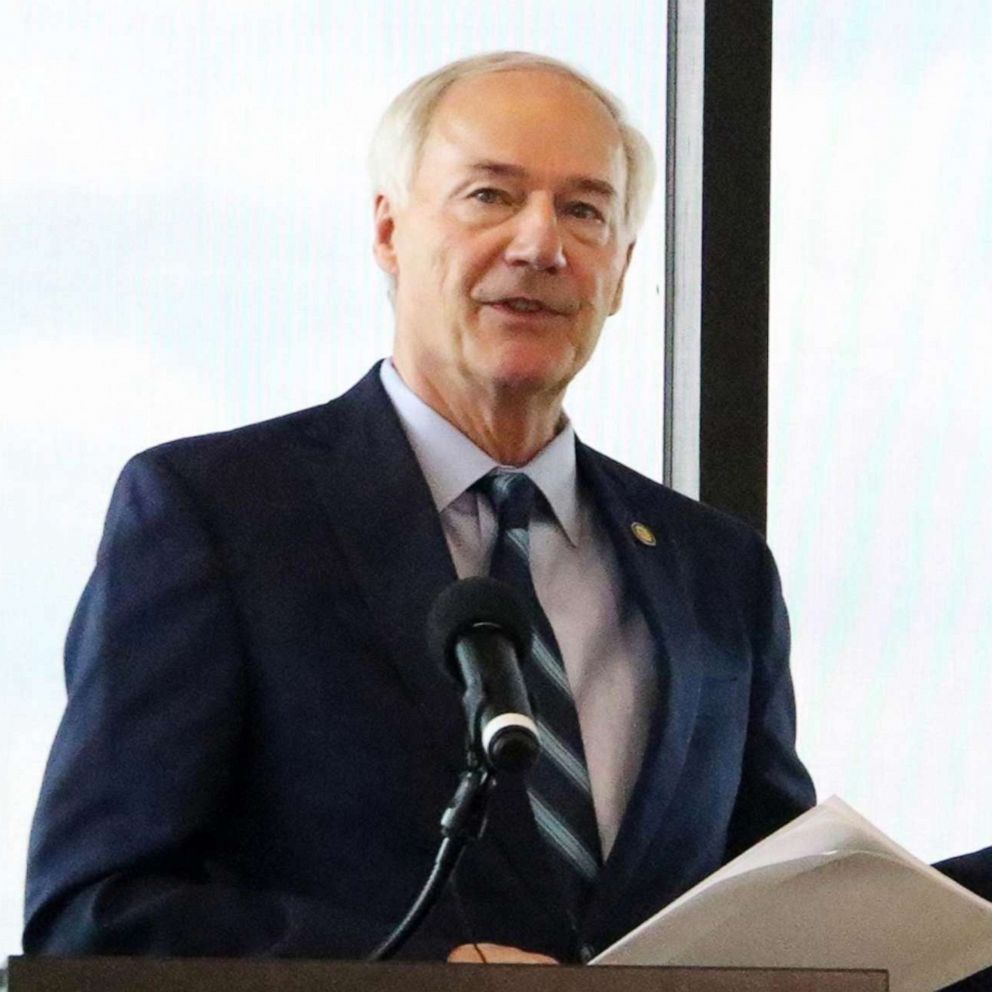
(558, 785)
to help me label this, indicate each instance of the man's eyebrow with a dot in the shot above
(493, 168)
(587, 184)
(590, 185)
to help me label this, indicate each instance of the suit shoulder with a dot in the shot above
(274, 441)
(263, 465)
(217, 476)
(248, 442)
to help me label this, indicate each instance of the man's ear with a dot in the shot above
(618, 293)
(385, 227)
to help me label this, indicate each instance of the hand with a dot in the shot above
(496, 954)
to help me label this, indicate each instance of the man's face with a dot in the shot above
(509, 253)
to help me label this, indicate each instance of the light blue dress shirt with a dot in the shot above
(605, 643)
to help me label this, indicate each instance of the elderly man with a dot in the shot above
(256, 751)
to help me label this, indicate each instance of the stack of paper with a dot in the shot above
(828, 890)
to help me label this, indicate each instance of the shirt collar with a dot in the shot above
(451, 463)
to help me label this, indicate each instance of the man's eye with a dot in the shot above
(488, 195)
(585, 211)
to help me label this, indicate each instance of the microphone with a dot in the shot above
(478, 631)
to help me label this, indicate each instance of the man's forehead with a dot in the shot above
(520, 117)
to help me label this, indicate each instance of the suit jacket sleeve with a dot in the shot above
(775, 786)
(146, 759)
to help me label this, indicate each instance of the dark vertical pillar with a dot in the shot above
(733, 438)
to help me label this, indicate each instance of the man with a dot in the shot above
(256, 752)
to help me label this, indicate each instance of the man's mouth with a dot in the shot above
(523, 304)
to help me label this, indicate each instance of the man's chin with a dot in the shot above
(524, 371)
(525, 380)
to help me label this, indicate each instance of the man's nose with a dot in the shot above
(536, 237)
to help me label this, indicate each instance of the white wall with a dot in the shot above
(881, 423)
(185, 246)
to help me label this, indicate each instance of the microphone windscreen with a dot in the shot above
(468, 603)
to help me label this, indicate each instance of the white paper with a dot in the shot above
(828, 890)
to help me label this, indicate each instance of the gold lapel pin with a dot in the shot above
(643, 533)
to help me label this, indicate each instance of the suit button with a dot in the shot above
(586, 953)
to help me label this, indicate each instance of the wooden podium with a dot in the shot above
(269, 975)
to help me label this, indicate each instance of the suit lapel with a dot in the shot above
(383, 516)
(651, 574)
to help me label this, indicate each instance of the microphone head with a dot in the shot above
(470, 603)
(514, 750)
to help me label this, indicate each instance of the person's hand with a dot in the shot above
(496, 954)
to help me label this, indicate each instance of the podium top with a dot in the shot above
(272, 975)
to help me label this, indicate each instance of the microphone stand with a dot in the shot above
(463, 821)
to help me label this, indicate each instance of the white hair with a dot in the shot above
(399, 138)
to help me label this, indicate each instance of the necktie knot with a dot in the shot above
(512, 495)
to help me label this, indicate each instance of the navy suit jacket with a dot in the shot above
(255, 752)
